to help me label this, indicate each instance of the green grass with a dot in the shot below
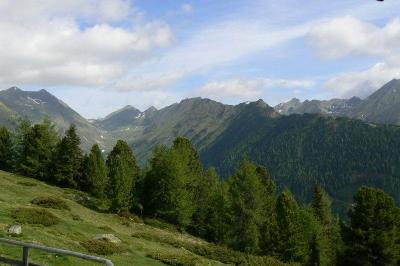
(142, 244)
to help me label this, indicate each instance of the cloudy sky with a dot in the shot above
(100, 55)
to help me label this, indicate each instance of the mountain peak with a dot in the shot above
(151, 109)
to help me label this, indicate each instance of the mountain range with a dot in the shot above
(36, 105)
(340, 143)
(383, 106)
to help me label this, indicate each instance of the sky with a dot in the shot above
(100, 55)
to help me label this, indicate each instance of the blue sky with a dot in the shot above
(100, 55)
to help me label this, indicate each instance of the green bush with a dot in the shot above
(177, 258)
(100, 247)
(76, 217)
(160, 224)
(34, 216)
(50, 202)
(210, 251)
(27, 183)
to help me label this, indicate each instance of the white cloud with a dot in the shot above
(45, 43)
(362, 83)
(249, 88)
(187, 8)
(346, 36)
(350, 36)
(216, 45)
(150, 82)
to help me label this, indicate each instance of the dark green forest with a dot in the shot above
(300, 150)
(247, 211)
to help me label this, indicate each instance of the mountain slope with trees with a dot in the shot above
(246, 218)
(339, 153)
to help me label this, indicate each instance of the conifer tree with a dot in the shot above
(21, 131)
(204, 197)
(372, 237)
(322, 206)
(167, 193)
(188, 156)
(327, 234)
(269, 225)
(290, 244)
(6, 149)
(96, 176)
(246, 193)
(68, 159)
(123, 172)
(37, 150)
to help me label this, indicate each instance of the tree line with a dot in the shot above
(244, 212)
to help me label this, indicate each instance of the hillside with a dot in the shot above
(142, 244)
(35, 105)
(200, 120)
(339, 153)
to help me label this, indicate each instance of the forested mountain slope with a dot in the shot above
(299, 150)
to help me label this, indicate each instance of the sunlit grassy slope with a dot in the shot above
(80, 224)
(142, 244)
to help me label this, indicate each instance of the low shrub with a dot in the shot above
(27, 183)
(76, 217)
(100, 247)
(210, 251)
(50, 202)
(34, 216)
(177, 258)
(160, 224)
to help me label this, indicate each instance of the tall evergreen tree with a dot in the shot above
(21, 131)
(167, 193)
(123, 172)
(269, 209)
(37, 150)
(6, 149)
(95, 171)
(188, 156)
(373, 236)
(327, 233)
(204, 197)
(246, 193)
(290, 244)
(322, 206)
(68, 159)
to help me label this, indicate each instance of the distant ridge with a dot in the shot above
(35, 105)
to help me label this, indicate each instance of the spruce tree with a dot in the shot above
(21, 132)
(6, 150)
(38, 146)
(123, 172)
(188, 156)
(322, 206)
(269, 209)
(205, 193)
(166, 187)
(372, 237)
(327, 233)
(68, 160)
(96, 175)
(290, 243)
(246, 193)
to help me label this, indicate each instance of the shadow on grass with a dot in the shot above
(14, 262)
